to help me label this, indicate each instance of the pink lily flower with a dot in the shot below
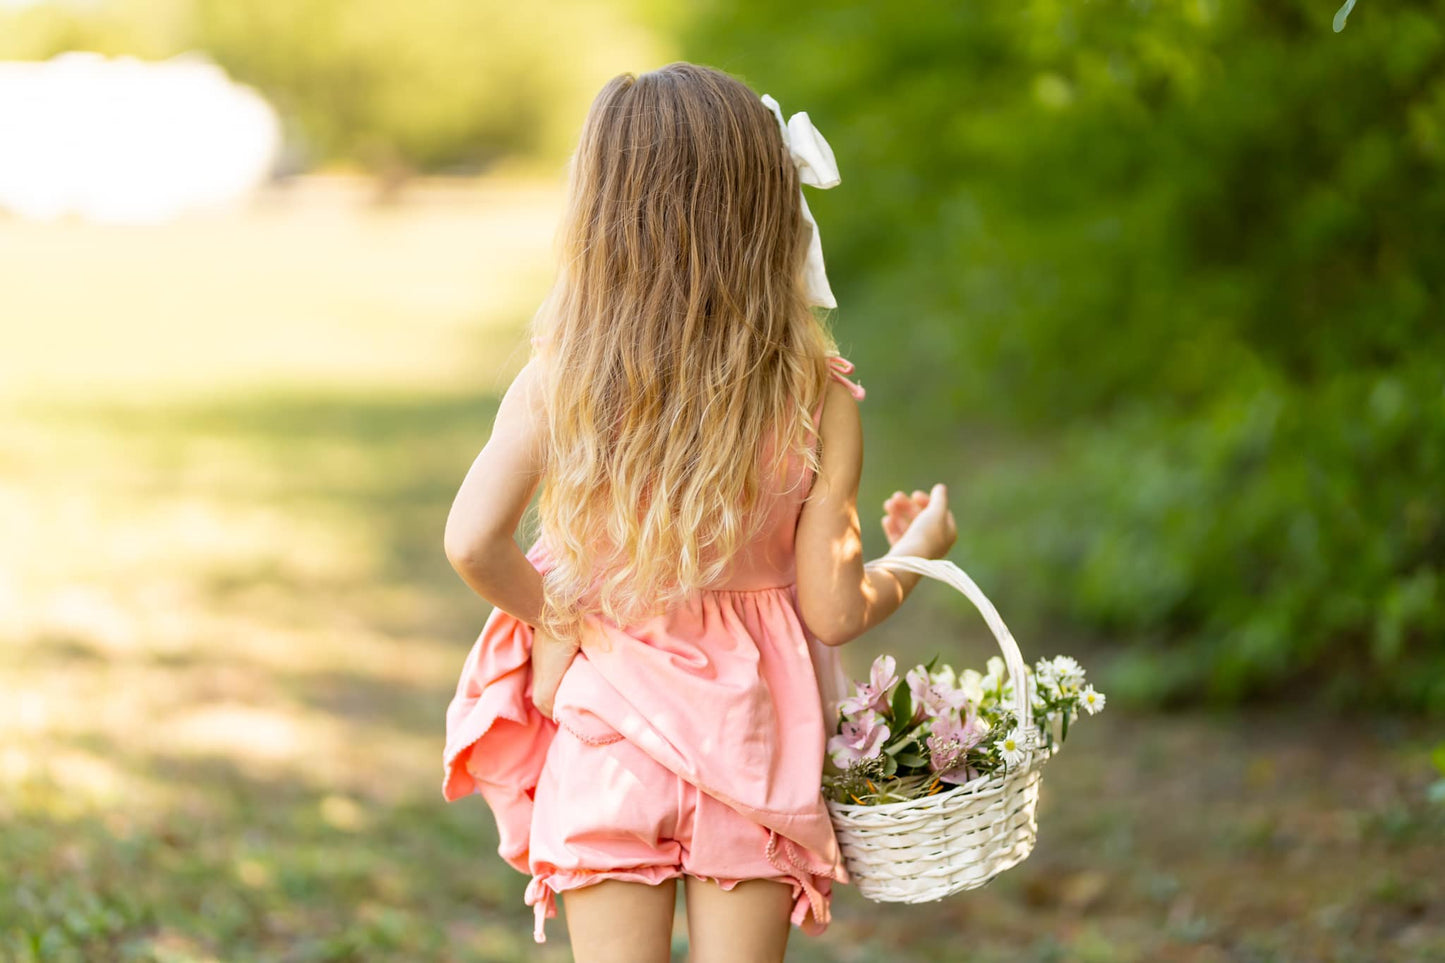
(860, 738)
(936, 699)
(948, 743)
(873, 694)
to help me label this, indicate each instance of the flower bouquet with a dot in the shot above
(934, 781)
(941, 729)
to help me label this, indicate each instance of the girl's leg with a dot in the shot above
(616, 921)
(748, 922)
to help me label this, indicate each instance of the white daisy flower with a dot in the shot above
(1011, 747)
(1068, 670)
(1093, 700)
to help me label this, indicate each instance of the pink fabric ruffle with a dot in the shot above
(727, 692)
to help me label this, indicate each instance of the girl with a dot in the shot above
(651, 697)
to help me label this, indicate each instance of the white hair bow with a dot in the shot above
(816, 167)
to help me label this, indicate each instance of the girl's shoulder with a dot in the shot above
(840, 397)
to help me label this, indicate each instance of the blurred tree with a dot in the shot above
(1195, 250)
(394, 87)
(141, 28)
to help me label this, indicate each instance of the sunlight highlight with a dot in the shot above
(127, 142)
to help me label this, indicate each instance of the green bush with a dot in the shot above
(1166, 278)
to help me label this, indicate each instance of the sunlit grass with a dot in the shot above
(228, 635)
(228, 630)
(311, 285)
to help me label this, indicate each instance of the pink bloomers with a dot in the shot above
(603, 802)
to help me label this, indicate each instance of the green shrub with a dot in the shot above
(1165, 282)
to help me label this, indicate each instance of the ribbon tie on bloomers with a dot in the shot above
(816, 167)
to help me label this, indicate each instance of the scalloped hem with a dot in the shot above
(811, 896)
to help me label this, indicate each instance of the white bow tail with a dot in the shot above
(816, 167)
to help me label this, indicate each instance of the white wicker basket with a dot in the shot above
(928, 848)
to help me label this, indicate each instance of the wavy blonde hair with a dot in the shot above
(681, 360)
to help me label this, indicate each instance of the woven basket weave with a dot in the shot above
(931, 847)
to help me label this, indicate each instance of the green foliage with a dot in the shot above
(430, 83)
(902, 707)
(427, 84)
(141, 28)
(1189, 260)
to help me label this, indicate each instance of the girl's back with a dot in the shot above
(651, 696)
(769, 558)
(723, 700)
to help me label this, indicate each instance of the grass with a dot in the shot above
(228, 635)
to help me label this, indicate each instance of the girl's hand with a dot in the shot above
(550, 659)
(920, 524)
(899, 512)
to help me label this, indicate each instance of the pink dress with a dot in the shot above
(692, 743)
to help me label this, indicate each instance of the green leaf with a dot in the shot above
(904, 736)
(911, 759)
(902, 705)
(1437, 756)
(1064, 726)
(890, 765)
(931, 663)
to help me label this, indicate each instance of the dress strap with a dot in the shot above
(842, 366)
(838, 367)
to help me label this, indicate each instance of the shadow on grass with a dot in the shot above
(386, 464)
(342, 628)
(241, 868)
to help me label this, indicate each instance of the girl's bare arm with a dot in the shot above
(839, 596)
(495, 493)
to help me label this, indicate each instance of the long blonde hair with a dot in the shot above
(677, 344)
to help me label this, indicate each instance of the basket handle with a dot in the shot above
(945, 571)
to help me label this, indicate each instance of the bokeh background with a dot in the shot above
(1156, 287)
